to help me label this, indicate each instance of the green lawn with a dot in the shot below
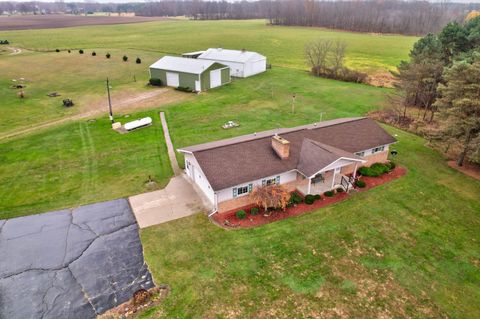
(79, 77)
(407, 249)
(282, 45)
(79, 163)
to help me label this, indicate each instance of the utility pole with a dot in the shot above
(109, 102)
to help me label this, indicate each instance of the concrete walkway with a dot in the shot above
(179, 199)
(171, 151)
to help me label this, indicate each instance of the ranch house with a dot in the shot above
(310, 159)
(193, 74)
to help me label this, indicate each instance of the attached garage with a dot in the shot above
(242, 63)
(192, 74)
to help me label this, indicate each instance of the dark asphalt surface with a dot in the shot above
(71, 263)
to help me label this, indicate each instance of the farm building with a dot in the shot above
(242, 63)
(197, 75)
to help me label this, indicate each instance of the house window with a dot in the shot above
(361, 154)
(242, 190)
(378, 149)
(271, 181)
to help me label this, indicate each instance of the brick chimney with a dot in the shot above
(281, 146)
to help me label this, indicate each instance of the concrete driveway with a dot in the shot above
(179, 199)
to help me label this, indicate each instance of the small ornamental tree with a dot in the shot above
(275, 196)
(94, 53)
(108, 55)
(138, 60)
(125, 58)
(80, 51)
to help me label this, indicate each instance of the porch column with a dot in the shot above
(309, 186)
(333, 179)
(355, 170)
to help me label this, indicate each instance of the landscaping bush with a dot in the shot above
(391, 165)
(125, 58)
(107, 55)
(329, 193)
(381, 168)
(360, 183)
(375, 170)
(184, 89)
(4, 42)
(340, 190)
(80, 51)
(317, 197)
(57, 50)
(309, 199)
(94, 53)
(254, 211)
(138, 60)
(155, 82)
(241, 214)
(295, 198)
(69, 51)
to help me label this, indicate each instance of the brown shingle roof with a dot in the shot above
(246, 158)
(315, 155)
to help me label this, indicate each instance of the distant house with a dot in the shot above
(197, 75)
(311, 159)
(242, 63)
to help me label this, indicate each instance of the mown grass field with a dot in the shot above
(282, 45)
(83, 162)
(407, 249)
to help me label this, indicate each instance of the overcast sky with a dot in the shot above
(126, 1)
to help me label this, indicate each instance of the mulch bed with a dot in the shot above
(229, 220)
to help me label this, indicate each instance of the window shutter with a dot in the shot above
(250, 186)
(234, 192)
(277, 180)
(264, 182)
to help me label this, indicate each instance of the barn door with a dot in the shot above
(173, 79)
(215, 78)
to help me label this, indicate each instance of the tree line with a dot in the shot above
(390, 16)
(443, 77)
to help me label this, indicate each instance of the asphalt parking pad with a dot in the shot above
(72, 263)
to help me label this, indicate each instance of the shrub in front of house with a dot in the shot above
(241, 214)
(309, 199)
(295, 198)
(138, 60)
(340, 190)
(317, 197)
(391, 165)
(380, 168)
(329, 193)
(155, 82)
(80, 51)
(125, 58)
(375, 170)
(94, 53)
(254, 211)
(108, 55)
(360, 183)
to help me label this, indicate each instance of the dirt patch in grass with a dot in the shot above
(25, 22)
(467, 169)
(381, 79)
(229, 219)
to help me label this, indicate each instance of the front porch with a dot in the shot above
(320, 185)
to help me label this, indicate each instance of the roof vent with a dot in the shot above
(281, 146)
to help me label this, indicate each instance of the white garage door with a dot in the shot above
(215, 78)
(172, 79)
